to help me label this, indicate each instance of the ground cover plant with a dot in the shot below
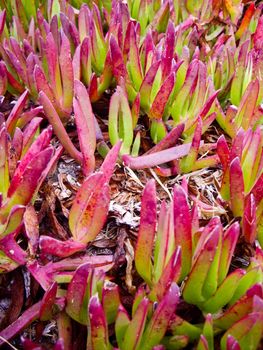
(131, 174)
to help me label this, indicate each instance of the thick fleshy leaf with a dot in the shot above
(237, 84)
(58, 127)
(230, 238)
(3, 79)
(133, 335)
(108, 165)
(146, 234)
(47, 303)
(224, 293)
(120, 121)
(193, 287)
(245, 22)
(30, 133)
(159, 322)
(146, 87)
(158, 158)
(203, 343)
(133, 61)
(232, 343)
(257, 190)
(169, 140)
(164, 243)
(240, 309)
(121, 325)
(77, 294)
(236, 188)
(62, 249)
(110, 301)
(119, 68)
(2, 21)
(188, 162)
(135, 110)
(185, 91)
(183, 228)
(169, 46)
(53, 66)
(208, 331)
(223, 152)
(90, 208)
(4, 173)
(161, 99)
(13, 221)
(66, 69)
(16, 112)
(252, 155)
(179, 326)
(30, 315)
(258, 36)
(85, 126)
(249, 220)
(23, 188)
(253, 276)
(98, 337)
(170, 274)
(85, 60)
(247, 106)
(38, 146)
(10, 247)
(248, 331)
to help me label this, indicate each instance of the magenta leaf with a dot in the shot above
(47, 303)
(86, 127)
(135, 329)
(30, 315)
(98, 337)
(62, 249)
(77, 294)
(183, 228)
(154, 159)
(159, 322)
(249, 221)
(144, 247)
(15, 113)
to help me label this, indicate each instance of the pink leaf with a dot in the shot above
(62, 249)
(144, 247)
(183, 228)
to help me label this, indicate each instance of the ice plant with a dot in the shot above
(82, 69)
(208, 285)
(85, 126)
(88, 212)
(242, 177)
(90, 26)
(160, 78)
(18, 191)
(173, 240)
(247, 115)
(19, 185)
(185, 157)
(194, 98)
(90, 207)
(167, 70)
(57, 66)
(122, 121)
(144, 330)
